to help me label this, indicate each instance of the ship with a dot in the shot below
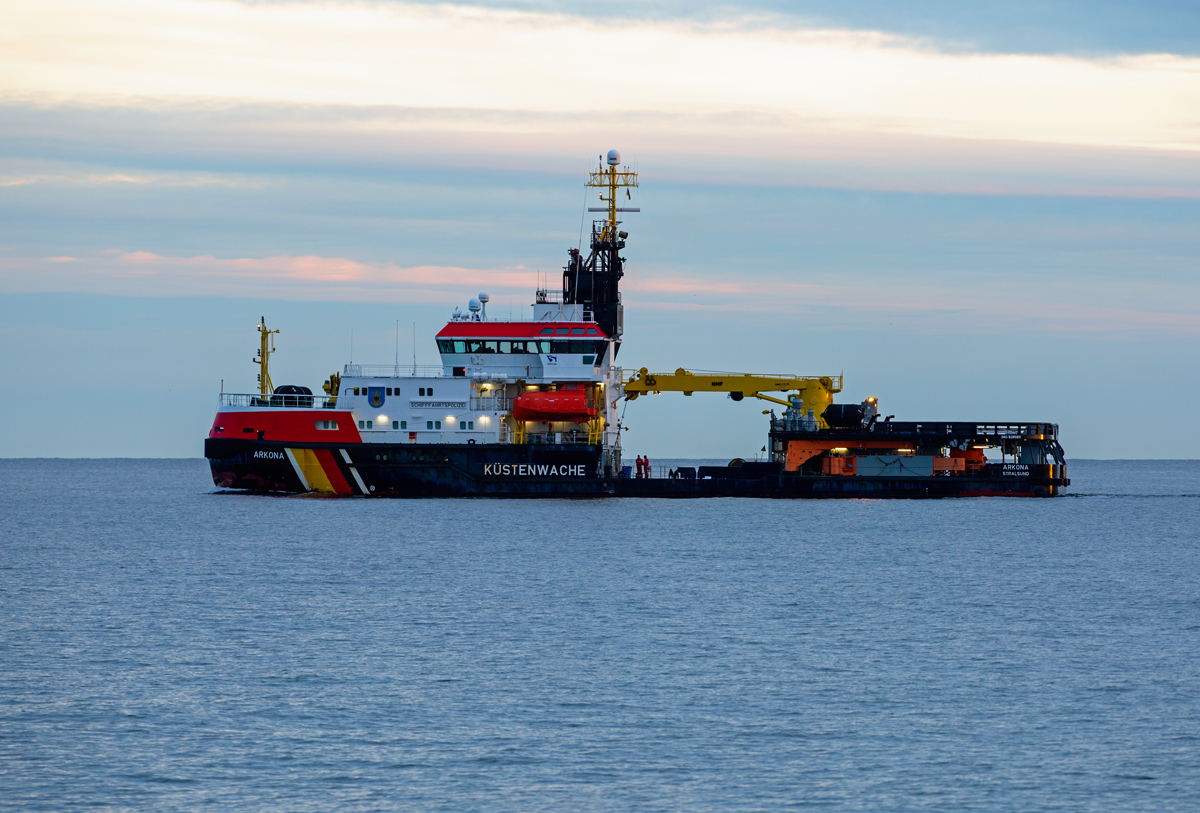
(534, 407)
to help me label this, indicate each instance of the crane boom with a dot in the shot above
(814, 392)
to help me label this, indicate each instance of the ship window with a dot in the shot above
(547, 331)
(369, 425)
(444, 346)
(474, 346)
(460, 347)
(361, 425)
(437, 424)
(429, 391)
(403, 424)
(387, 391)
(462, 424)
(589, 359)
(505, 347)
(561, 331)
(545, 346)
(593, 332)
(470, 424)
(322, 425)
(395, 424)
(580, 347)
(489, 347)
(422, 392)
(576, 331)
(356, 390)
(428, 424)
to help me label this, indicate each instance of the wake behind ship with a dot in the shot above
(531, 408)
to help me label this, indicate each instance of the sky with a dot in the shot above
(984, 213)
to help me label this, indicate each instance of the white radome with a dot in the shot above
(614, 158)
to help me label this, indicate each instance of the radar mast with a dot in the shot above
(594, 282)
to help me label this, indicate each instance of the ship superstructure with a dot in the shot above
(531, 407)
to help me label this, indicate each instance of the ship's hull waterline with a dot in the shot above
(555, 471)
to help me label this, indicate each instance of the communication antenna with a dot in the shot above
(610, 180)
(414, 348)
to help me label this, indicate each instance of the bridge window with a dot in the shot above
(547, 331)
(589, 359)
(506, 347)
(576, 346)
(445, 346)
(576, 331)
(591, 331)
(460, 347)
(561, 331)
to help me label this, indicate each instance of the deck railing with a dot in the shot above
(490, 403)
(572, 438)
(254, 399)
(393, 371)
(1006, 431)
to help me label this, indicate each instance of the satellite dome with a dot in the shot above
(484, 298)
(473, 305)
(614, 158)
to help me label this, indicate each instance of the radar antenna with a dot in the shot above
(594, 282)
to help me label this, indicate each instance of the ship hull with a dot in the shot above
(550, 471)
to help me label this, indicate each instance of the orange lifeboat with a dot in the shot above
(562, 405)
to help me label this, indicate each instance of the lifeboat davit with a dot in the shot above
(561, 405)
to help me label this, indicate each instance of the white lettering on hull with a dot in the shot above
(531, 470)
(271, 455)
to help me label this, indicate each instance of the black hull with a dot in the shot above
(551, 471)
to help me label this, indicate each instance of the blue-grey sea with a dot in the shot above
(164, 647)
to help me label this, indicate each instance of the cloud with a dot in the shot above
(741, 86)
(334, 279)
(930, 307)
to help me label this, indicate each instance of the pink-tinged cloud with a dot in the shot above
(1115, 310)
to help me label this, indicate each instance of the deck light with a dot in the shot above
(382, 418)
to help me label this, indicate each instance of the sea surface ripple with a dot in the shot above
(170, 648)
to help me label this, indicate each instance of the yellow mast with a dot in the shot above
(612, 179)
(265, 387)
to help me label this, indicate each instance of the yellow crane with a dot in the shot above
(814, 392)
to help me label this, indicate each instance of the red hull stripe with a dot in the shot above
(333, 472)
